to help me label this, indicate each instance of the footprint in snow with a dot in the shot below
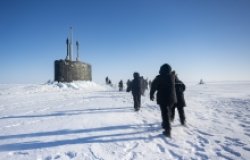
(247, 134)
(130, 148)
(168, 141)
(175, 155)
(71, 154)
(217, 141)
(219, 154)
(202, 155)
(204, 133)
(234, 141)
(196, 147)
(244, 125)
(188, 132)
(57, 157)
(161, 148)
(231, 151)
(246, 149)
(245, 121)
(48, 158)
(203, 141)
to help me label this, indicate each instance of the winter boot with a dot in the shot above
(167, 133)
(137, 109)
(183, 123)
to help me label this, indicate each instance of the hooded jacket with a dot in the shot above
(164, 84)
(135, 85)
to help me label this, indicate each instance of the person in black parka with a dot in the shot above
(120, 85)
(128, 85)
(107, 80)
(164, 84)
(135, 87)
(179, 88)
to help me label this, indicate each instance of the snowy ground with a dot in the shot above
(87, 121)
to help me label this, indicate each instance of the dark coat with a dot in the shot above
(120, 85)
(135, 86)
(180, 88)
(128, 86)
(164, 84)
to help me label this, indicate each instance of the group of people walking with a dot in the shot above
(170, 95)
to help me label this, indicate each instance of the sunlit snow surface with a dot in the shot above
(88, 121)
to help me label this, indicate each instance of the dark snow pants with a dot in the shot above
(137, 101)
(165, 114)
(181, 114)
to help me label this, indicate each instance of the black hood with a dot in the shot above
(136, 75)
(165, 69)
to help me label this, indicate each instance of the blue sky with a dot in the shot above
(208, 39)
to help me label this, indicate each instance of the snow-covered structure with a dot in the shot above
(69, 70)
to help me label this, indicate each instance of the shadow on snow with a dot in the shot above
(138, 133)
(73, 112)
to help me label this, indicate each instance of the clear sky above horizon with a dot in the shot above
(208, 39)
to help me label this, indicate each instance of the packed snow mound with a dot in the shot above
(52, 87)
(81, 85)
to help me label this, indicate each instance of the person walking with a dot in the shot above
(164, 84)
(120, 85)
(135, 87)
(179, 88)
(107, 80)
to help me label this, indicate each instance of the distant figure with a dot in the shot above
(110, 83)
(120, 85)
(201, 82)
(179, 88)
(128, 85)
(135, 87)
(107, 80)
(164, 84)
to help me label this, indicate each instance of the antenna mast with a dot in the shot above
(67, 42)
(71, 44)
(77, 47)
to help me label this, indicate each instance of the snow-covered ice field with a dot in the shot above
(87, 121)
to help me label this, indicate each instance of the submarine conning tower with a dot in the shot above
(69, 70)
